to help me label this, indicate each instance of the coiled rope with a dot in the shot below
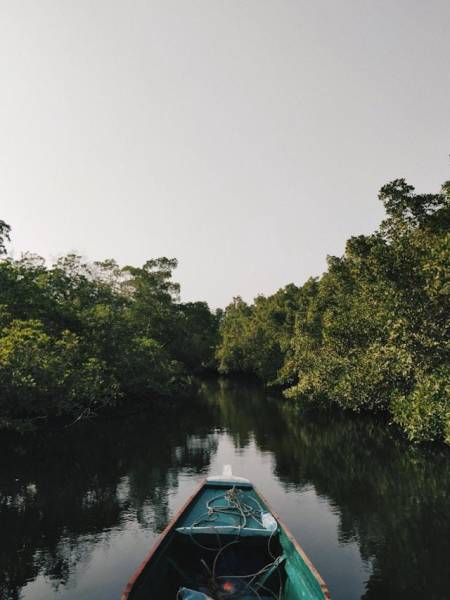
(240, 506)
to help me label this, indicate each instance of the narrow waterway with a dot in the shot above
(78, 511)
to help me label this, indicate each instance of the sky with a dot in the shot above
(246, 138)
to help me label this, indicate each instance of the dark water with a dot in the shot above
(79, 511)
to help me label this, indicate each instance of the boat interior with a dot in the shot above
(226, 545)
(195, 568)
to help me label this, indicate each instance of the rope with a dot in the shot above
(238, 506)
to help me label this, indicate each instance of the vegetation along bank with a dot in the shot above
(371, 334)
(79, 339)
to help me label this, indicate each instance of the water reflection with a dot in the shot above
(57, 494)
(77, 511)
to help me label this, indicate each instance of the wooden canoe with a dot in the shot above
(226, 542)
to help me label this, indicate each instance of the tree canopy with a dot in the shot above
(372, 332)
(77, 338)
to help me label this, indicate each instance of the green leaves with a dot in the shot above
(41, 375)
(424, 414)
(372, 334)
(256, 339)
(5, 230)
(376, 335)
(78, 338)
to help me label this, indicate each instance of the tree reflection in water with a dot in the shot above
(392, 498)
(59, 493)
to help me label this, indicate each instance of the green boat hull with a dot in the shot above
(226, 542)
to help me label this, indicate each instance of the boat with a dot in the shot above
(226, 543)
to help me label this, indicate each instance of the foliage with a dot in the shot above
(372, 332)
(196, 335)
(4, 235)
(256, 339)
(77, 338)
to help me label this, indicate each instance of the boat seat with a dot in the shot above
(225, 530)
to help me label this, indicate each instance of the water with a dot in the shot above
(79, 511)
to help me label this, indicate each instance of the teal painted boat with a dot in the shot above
(226, 543)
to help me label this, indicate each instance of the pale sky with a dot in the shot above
(247, 138)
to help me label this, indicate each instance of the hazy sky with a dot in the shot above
(247, 138)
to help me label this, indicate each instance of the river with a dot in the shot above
(79, 510)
